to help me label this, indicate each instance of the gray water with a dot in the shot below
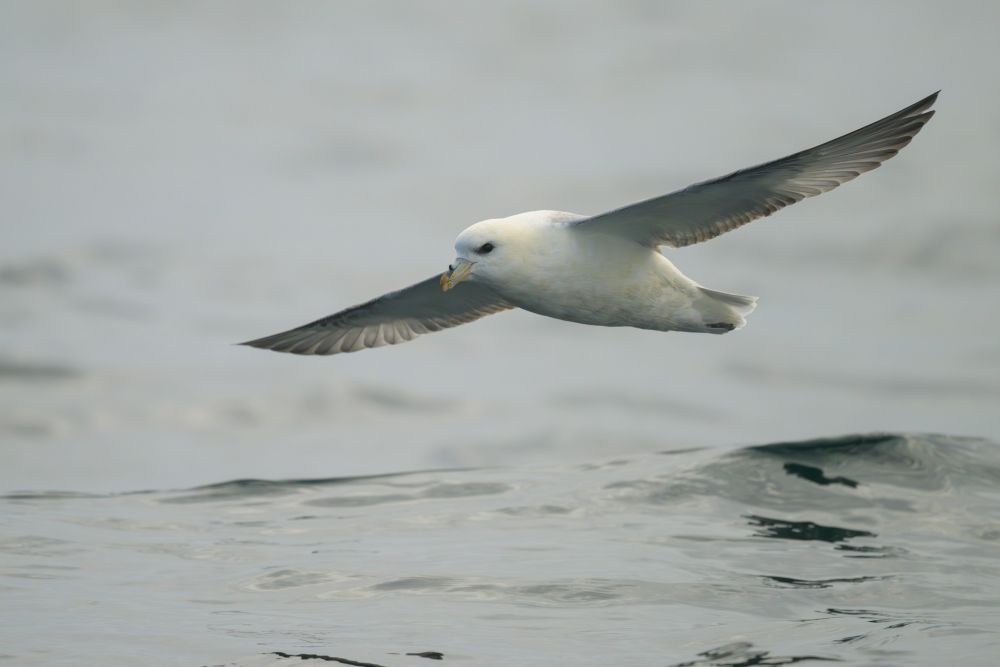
(179, 176)
(871, 550)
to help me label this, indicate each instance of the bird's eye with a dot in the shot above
(485, 249)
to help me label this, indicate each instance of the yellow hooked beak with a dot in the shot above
(456, 273)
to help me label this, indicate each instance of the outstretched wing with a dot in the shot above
(704, 210)
(392, 318)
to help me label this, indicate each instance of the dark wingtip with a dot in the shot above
(287, 341)
(925, 103)
(264, 343)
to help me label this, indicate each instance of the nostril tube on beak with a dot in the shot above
(458, 271)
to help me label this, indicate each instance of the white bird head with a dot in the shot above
(490, 250)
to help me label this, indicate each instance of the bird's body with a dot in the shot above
(561, 270)
(606, 270)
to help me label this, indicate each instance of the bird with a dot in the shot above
(608, 269)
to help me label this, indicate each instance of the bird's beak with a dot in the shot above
(456, 273)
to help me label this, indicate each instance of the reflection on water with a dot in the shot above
(643, 561)
(814, 474)
(816, 583)
(430, 655)
(803, 530)
(744, 654)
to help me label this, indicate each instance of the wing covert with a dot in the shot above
(705, 210)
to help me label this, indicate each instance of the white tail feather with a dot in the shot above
(742, 304)
(722, 312)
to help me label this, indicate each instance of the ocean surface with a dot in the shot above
(879, 549)
(178, 176)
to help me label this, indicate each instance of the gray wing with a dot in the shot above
(392, 318)
(704, 210)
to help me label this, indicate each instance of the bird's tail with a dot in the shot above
(721, 311)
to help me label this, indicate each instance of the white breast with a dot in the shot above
(597, 279)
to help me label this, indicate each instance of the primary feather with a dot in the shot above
(392, 318)
(704, 210)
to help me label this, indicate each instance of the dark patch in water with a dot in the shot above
(26, 371)
(743, 654)
(870, 616)
(687, 450)
(50, 495)
(825, 445)
(37, 272)
(430, 655)
(238, 489)
(816, 475)
(818, 583)
(327, 658)
(803, 530)
(870, 552)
